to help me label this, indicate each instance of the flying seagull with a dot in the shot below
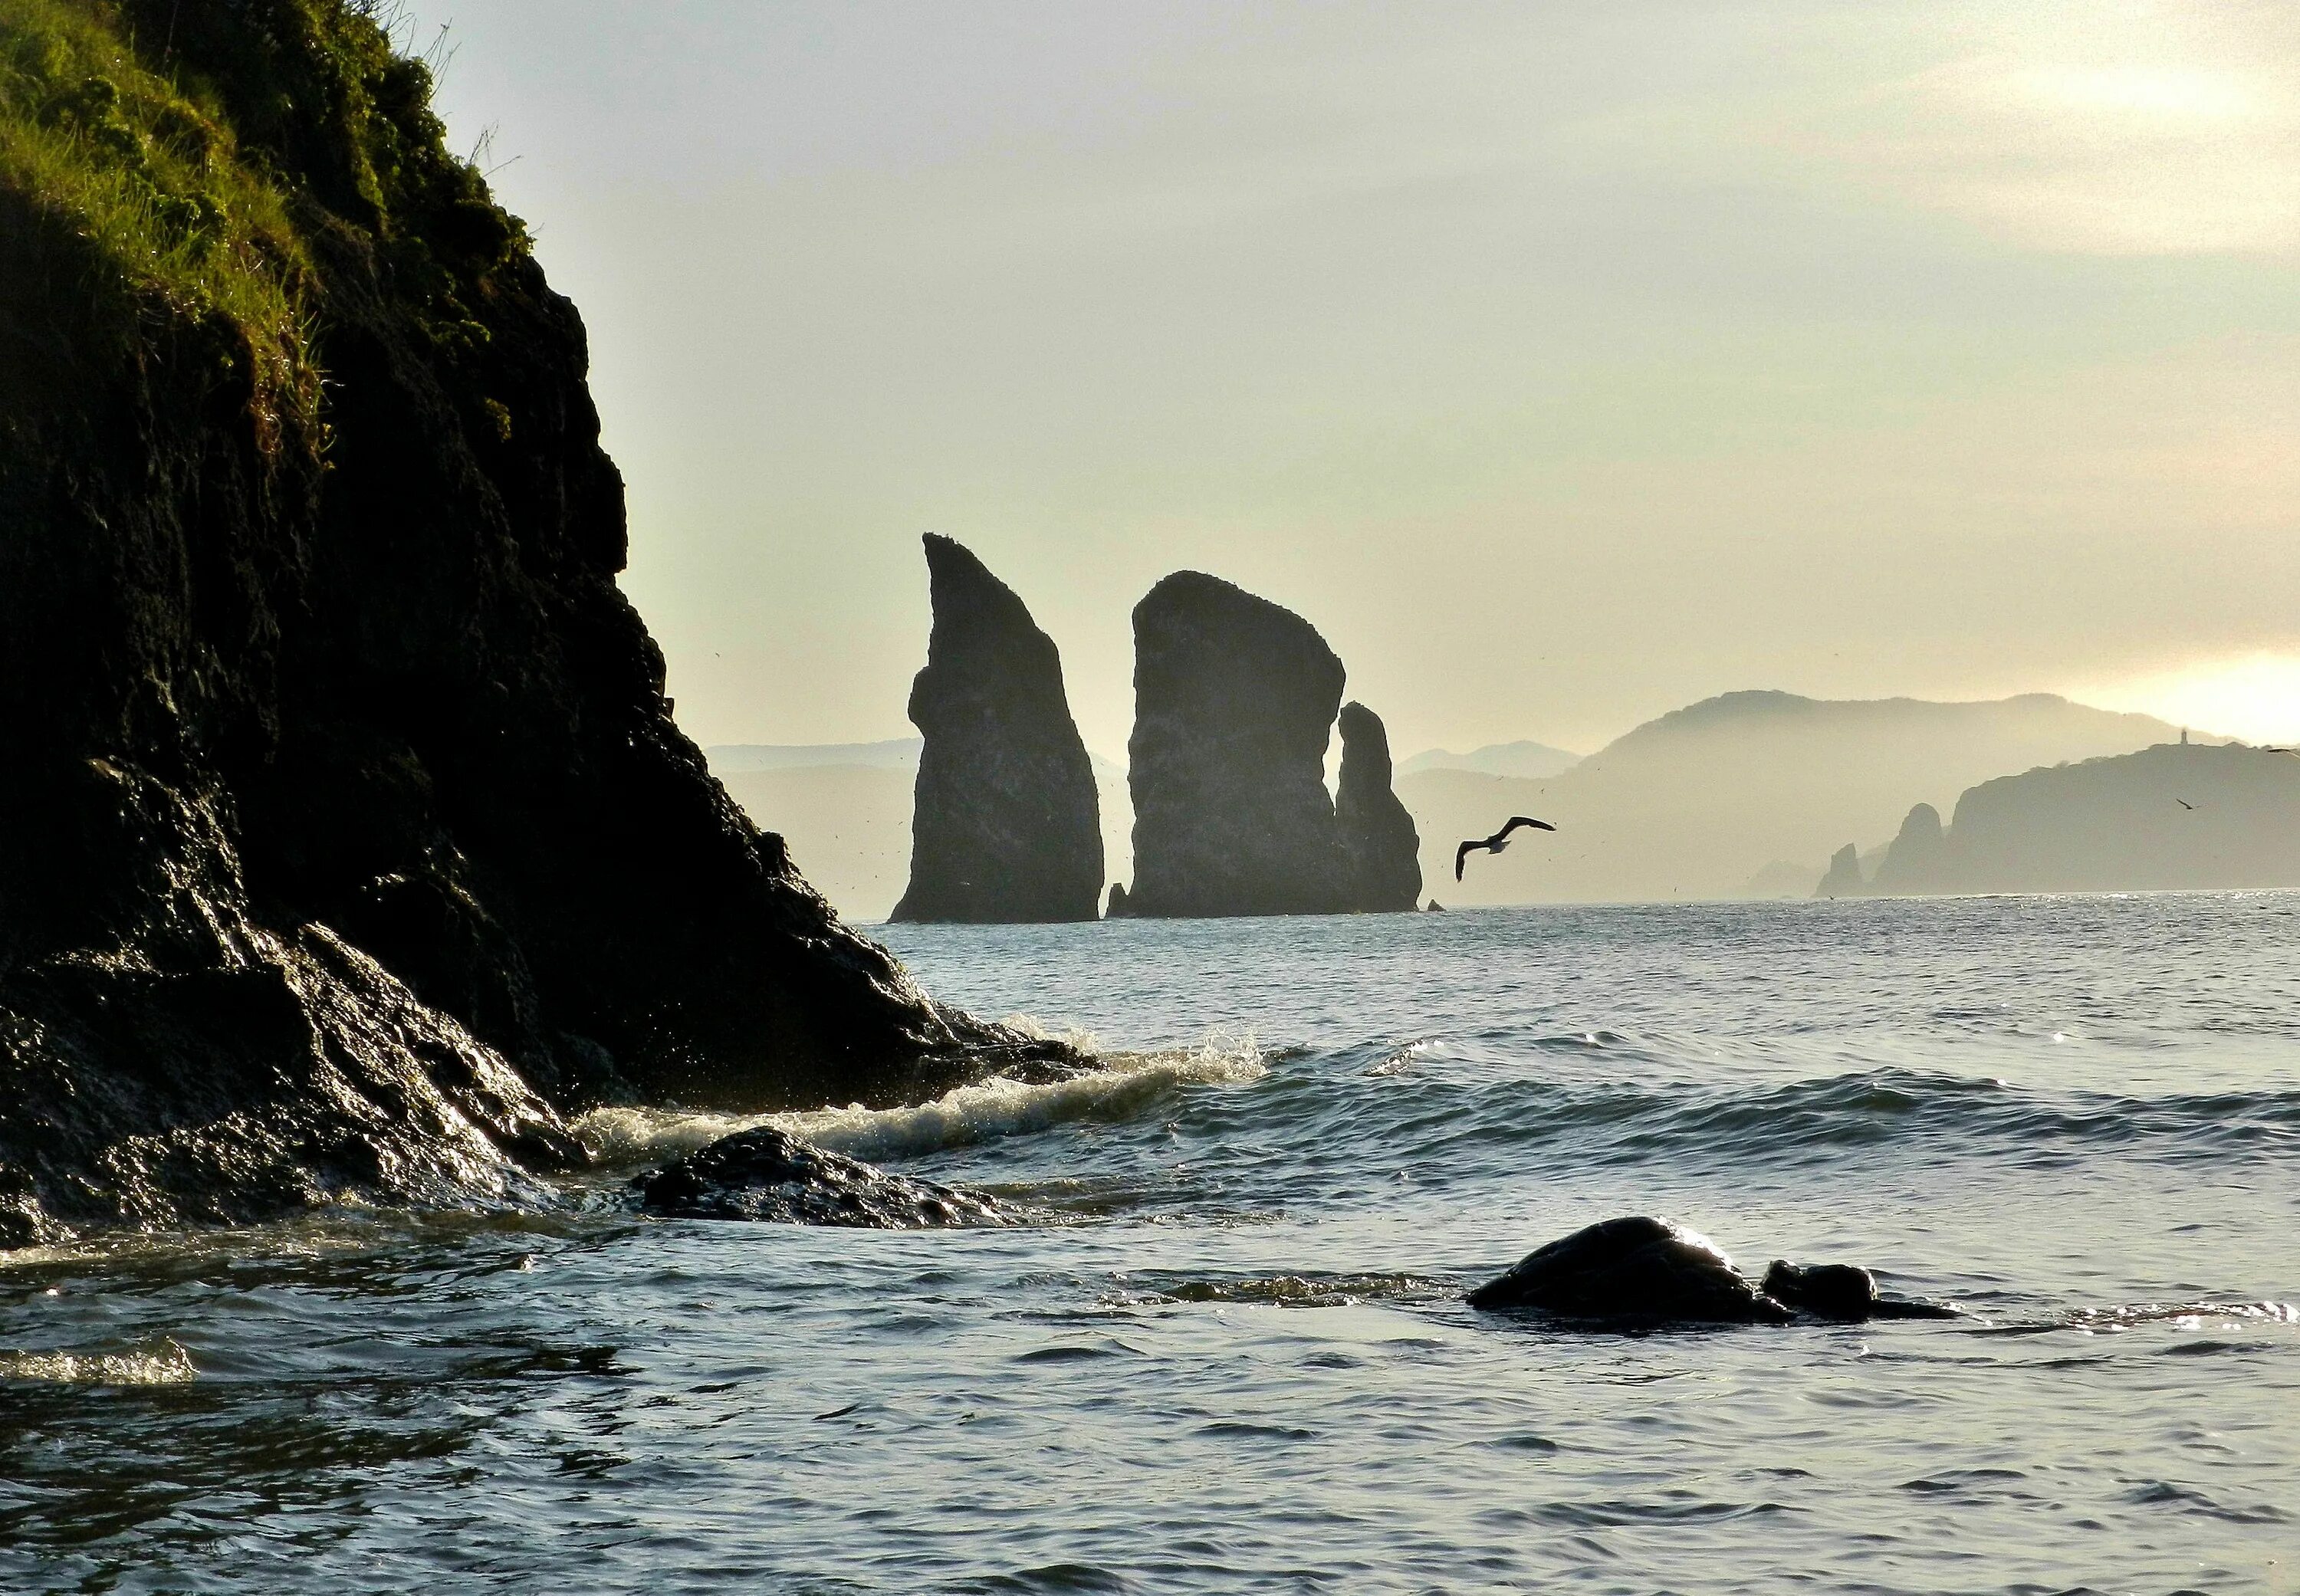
(2184, 803)
(1496, 843)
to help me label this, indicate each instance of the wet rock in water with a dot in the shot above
(770, 1176)
(1378, 836)
(1843, 879)
(347, 838)
(1633, 1270)
(1845, 1292)
(1234, 697)
(1006, 826)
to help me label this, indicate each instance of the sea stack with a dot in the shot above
(1378, 836)
(1844, 878)
(1005, 826)
(1233, 696)
(1918, 856)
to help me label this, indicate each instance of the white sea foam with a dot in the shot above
(1124, 1087)
(167, 1364)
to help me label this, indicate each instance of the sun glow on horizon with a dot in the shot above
(2255, 697)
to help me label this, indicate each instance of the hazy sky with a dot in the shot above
(1564, 363)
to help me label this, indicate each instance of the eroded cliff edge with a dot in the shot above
(346, 842)
(1005, 825)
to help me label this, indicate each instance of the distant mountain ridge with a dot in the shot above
(1703, 801)
(2170, 816)
(736, 759)
(1523, 758)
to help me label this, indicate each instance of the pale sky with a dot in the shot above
(1564, 363)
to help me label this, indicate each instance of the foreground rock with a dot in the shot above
(1234, 697)
(1638, 1271)
(1845, 1292)
(1633, 1270)
(347, 840)
(770, 1176)
(1006, 825)
(1383, 850)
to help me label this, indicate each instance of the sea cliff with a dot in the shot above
(347, 840)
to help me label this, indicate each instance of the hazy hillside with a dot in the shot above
(848, 826)
(1737, 792)
(1525, 758)
(2167, 817)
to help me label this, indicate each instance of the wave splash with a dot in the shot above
(1127, 1087)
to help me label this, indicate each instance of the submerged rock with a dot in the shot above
(1234, 697)
(1845, 1292)
(346, 838)
(770, 1176)
(1633, 1270)
(1378, 836)
(1006, 825)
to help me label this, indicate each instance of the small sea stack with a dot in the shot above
(1843, 879)
(1234, 698)
(1378, 840)
(1005, 825)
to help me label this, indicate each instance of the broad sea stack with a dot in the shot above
(346, 842)
(1233, 698)
(1005, 825)
(1378, 836)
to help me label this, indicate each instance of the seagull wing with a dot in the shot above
(1461, 854)
(1517, 820)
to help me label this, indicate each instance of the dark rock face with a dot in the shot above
(1916, 860)
(1378, 836)
(1844, 1292)
(1844, 878)
(1634, 1270)
(1006, 825)
(1233, 699)
(345, 836)
(1120, 909)
(770, 1176)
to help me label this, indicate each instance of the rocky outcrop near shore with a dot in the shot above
(1005, 825)
(1234, 699)
(1379, 841)
(347, 840)
(770, 1176)
(1637, 1272)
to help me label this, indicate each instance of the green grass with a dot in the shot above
(152, 183)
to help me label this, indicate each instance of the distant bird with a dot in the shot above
(2184, 803)
(1496, 843)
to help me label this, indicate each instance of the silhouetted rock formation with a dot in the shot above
(1846, 1293)
(1916, 856)
(1844, 878)
(1119, 907)
(1234, 697)
(2178, 815)
(1633, 1270)
(1005, 825)
(770, 1176)
(1378, 835)
(346, 838)
(1637, 1271)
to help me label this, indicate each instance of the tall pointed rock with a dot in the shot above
(1006, 826)
(1378, 836)
(1233, 699)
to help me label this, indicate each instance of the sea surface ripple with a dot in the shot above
(1230, 1355)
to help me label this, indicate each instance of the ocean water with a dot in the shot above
(1229, 1353)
